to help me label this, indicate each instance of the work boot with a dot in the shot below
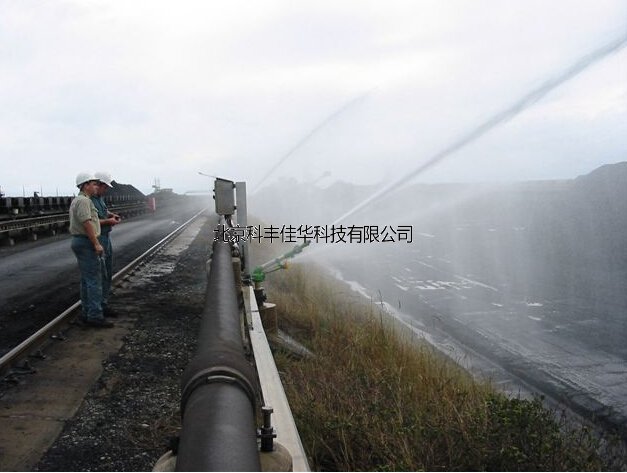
(99, 323)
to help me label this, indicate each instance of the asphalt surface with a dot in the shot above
(40, 279)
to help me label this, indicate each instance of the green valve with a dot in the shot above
(258, 274)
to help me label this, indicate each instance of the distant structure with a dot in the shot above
(158, 189)
(156, 185)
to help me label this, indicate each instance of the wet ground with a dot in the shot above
(40, 279)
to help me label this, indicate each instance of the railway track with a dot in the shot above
(16, 362)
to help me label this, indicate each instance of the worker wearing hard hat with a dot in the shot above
(85, 229)
(108, 220)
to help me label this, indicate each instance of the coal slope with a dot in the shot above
(129, 417)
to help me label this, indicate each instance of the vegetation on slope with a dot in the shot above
(373, 398)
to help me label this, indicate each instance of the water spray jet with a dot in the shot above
(503, 116)
(312, 133)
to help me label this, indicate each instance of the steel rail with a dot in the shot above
(12, 356)
(155, 247)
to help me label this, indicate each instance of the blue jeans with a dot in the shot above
(107, 270)
(91, 277)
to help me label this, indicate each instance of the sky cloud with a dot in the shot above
(162, 89)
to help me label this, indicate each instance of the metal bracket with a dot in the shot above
(266, 433)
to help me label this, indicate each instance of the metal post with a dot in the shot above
(267, 433)
(242, 220)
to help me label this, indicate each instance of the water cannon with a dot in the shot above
(259, 273)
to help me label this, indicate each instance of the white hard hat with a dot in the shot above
(105, 178)
(83, 177)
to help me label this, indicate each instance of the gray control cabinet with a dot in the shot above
(224, 195)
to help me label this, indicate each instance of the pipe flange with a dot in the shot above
(218, 374)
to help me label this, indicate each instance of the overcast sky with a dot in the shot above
(165, 89)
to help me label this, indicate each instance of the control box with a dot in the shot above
(224, 195)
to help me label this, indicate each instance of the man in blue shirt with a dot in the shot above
(108, 220)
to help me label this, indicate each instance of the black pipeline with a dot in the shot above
(219, 385)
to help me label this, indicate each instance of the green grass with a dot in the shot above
(375, 398)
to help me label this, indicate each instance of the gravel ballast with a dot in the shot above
(127, 420)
